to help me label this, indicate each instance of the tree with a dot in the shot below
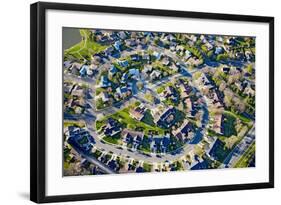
(249, 68)
(99, 103)
(221, 57)
(210, 53)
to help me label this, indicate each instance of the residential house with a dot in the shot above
(134, 73)
(147, 68)
(183, 132)
(104, 96)
(249, 91)
(123, 91)
(122, 35)
(165, 61)
(124, 77)
(113, 70)
(185, 90)
(219, 50)
(83, 70)
(112, 127)
(217, 123)
(104, 82)
(132, 137)
(157, 55)
(135, 57)
(67, 64)
(138, 112)
(169, 93)
(155, 74)
(117, 45)
(130, 42)
(80, 137)
(167, 118)
(189, 106)
(123, 63)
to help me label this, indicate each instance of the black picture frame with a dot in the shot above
(38, 101)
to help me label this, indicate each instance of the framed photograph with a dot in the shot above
(129, 102)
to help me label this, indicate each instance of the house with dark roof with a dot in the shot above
(139, 170)
(115, 54)
(113, 70)
(170, 93)
(117, 45)
(112, 164)
(134, 73)
(122, 35)
(226, 70)
(123, 91)
(130, 42)
(160, 143)
(167, 118)
(157, 55)
(83, 70)
(104, 82)
(135, 57)
(219, 50)
(183, 132)
(80, 137)
(108, 51)
(112, 128)
(132, 137)
(123, 63)
(124, 77)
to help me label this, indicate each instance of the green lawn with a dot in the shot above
(112, 140)
(124, 117)
(195, 51)
(66, 165)
(100, 123)
(242, 118)
(160, 89)
(147, 167)
(85, 48)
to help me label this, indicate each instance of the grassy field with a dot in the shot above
(85, 48)
(242, 118)
(112, 140)
(124, 117)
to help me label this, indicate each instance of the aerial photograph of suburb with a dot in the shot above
(151, 101)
